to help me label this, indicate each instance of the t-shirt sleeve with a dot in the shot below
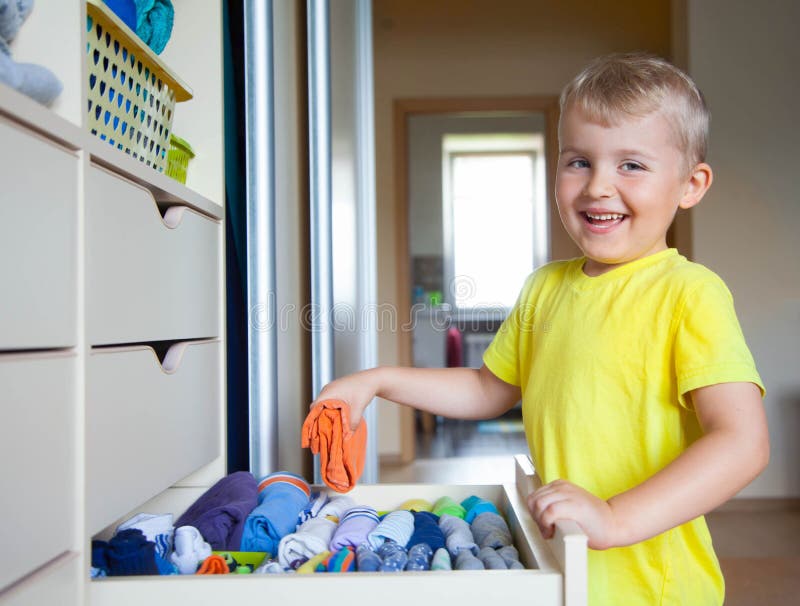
(709, 345)
(502, 355)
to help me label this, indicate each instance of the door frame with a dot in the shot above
(403, 110)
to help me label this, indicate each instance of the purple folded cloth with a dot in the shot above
(354, 527)
(220, 513)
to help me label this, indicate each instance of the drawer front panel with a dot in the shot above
(147, 428)
(37, 446)
(38, 226)
(57, 583)
(147, 281)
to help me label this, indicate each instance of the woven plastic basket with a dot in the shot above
(178, 156)
(131, 93)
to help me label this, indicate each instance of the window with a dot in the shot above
(495, 217)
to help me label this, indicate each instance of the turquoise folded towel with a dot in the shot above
(154, 22)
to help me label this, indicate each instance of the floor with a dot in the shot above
(756, 540)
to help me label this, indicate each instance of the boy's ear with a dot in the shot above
(697, 185)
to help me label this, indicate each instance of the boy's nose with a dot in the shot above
(599, 185)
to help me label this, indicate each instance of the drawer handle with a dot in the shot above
(173, 356)
(168, 354)
(173, 216)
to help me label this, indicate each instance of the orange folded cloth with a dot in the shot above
(342, 451)
(214, 564)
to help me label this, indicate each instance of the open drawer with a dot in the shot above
(555, 571)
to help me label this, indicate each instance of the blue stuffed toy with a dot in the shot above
(35, 81)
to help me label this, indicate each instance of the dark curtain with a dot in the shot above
(235, 237)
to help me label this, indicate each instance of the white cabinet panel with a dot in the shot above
(38, 226)
(56, 583)
(148, 278)
(147, 425)
(37, 446)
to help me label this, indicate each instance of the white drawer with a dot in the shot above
(148, 278)
(37, 447)
(147, 426)
(556, 573)
(56, 583)
(38, 226)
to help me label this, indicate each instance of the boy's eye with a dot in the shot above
(578, 163)
(630, 166)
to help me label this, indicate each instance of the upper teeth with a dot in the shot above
(605, 217)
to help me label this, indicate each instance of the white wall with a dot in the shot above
(745, 57)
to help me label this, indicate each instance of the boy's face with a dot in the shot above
(618, 187)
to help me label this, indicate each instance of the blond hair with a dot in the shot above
(637, 84)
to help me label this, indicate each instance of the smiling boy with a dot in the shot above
(641, 402)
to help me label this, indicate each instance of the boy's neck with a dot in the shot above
(594, 268)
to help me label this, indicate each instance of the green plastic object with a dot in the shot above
(178, 156)
(243, 558)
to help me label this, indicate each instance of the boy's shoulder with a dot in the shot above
(690, 275)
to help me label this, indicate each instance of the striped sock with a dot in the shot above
(397, 526)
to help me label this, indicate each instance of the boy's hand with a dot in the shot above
(562, 500)
(357, 390)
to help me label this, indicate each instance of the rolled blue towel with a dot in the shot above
(282, 496)
(154, 19)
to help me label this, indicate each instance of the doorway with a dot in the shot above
(431, 137)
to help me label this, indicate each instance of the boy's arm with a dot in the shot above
(732, 452)
(463, 393)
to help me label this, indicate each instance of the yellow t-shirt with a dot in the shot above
(604, 365)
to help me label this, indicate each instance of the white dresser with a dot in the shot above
(112, 309)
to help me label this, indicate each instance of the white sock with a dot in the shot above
(190, 549)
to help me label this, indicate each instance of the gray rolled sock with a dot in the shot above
(466, 561)
(511, 557)
(458, 535)
(490, 530)
(491, 559)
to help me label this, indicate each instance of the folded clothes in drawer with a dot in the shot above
(148, 424)
(149, 278)
(543, 580)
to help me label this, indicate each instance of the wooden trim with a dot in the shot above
(402, 110)
(758, 505)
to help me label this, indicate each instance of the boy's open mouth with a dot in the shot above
(603, 220)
